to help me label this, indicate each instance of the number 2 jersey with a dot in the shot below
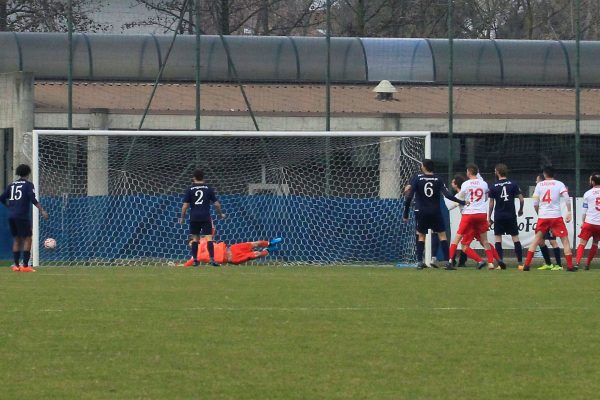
(547, 196)
(476, 192)
(18, 197)
(200, 196)
(427, 190)
(591, 204)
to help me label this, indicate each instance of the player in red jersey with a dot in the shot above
(474, 221)
(456, 183)
(546, 199)
(591, 221)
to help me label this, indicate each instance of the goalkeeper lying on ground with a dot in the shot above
(236, 253)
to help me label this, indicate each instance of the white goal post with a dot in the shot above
(83, 175)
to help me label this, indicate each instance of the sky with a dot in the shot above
(119, 12)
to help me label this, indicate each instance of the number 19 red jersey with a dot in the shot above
(475, 191)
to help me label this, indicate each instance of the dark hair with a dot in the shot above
(473, 169)
(459, 180)
(501, 169)
(548, 171)
(199, 175)
(540, 177)
(428, 165)
(23, 170)
(595, 178)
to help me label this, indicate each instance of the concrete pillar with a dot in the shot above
(16, 112)
(97, 155)
(390, 186)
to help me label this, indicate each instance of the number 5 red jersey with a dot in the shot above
(591, 202)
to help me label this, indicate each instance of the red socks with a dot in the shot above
(591, 254)
(453, 250)
(569, 258)
(579, 254)
(494, 253)
(490, 254)
(529, 258)
(472, 254)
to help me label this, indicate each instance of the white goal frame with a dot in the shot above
(36, 133)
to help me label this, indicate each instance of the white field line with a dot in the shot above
(304, 309)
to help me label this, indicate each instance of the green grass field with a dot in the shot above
(298, 333)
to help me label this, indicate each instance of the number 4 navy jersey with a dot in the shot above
(504, 193)
(427, 191)
(18, 197)
(200, 196)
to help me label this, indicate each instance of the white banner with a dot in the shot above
(527, 224)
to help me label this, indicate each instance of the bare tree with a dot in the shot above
(49, 15)
(502, 19)
(263, 17)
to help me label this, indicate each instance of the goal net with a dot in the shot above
(114, 197)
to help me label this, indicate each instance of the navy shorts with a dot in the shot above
(506, 227)
(435, 222)
(20, 227)
(549, 236)
(201, 228)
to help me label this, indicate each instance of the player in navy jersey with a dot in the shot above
(427, 188)
(502, 206)
(18, 197)
(198, 197)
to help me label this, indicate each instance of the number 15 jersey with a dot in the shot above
(547, 196)
(475, 191)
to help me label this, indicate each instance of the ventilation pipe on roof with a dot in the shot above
(385, 91)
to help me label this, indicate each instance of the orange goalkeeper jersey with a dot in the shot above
(220, 251)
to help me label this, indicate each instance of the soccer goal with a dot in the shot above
(114, 197)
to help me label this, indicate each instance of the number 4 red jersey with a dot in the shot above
(547, 196)
(476, 192)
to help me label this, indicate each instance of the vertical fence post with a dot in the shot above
(197, 23)
(577, 117)
(328, 72)
(70, 67)
(328, 100)
(450, 87)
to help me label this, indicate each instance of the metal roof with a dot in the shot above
(280, 59)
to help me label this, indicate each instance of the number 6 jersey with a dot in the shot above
(547, 196)
(427, 190)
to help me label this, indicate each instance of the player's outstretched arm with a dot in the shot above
(451, 197)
